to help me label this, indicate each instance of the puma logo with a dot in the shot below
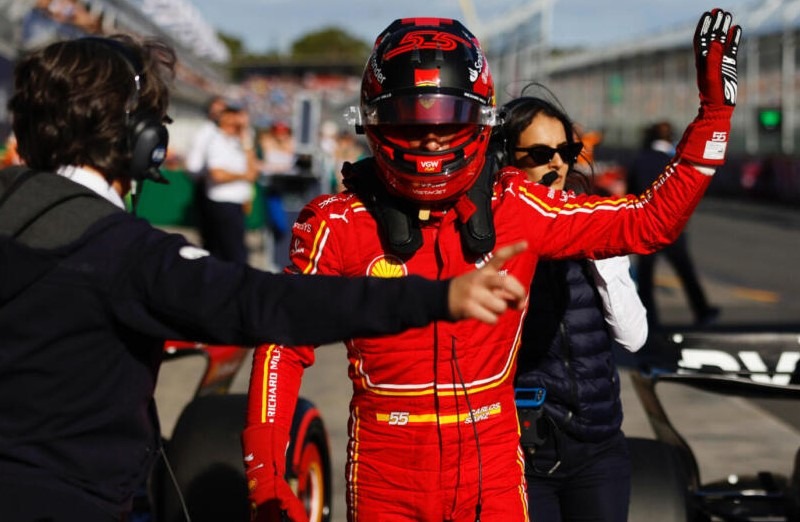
(342, 216)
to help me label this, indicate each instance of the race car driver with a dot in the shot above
(433, 431)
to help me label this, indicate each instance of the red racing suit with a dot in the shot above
(433, 430)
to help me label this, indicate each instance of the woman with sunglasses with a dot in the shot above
(577, 463)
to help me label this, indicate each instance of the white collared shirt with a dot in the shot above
(225, 152)
(92, 180)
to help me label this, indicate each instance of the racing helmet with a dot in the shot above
(427, 75)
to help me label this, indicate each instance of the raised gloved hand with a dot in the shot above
(271, 498)
(716, 44)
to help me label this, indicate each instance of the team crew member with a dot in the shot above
(577, 464)
(433, 431)
(654, 154)
(89, 292)
(232, 173)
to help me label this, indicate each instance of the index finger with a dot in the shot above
(502, 255)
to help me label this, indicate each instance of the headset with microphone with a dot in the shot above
(500, 144)
(147, 136)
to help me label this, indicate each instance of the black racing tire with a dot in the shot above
(659, 483)
(205, 453)
(312, 474)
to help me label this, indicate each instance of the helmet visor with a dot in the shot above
(427, 109)
(412, 137)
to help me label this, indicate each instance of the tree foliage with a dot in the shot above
(330, 43)
(233, 43)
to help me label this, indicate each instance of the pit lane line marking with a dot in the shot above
(750, 294)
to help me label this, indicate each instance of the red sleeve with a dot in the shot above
(275, 383)
(277, 370)
(595, 227)
(272, 396)
(275, 379)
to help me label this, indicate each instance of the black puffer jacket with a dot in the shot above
(566, 349)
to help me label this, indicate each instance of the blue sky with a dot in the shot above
(273, 24)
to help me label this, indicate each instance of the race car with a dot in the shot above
(666, 482)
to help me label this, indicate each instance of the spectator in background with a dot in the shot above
(62, 11)
(196, 162)
(590, 139)
(657, 151)
(196, 158)
(71, 12)
(330, 166)
(348, 150)
(278, 150)
(278, 158)
(10, 153)
(232, 171)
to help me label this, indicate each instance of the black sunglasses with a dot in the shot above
(542, 154)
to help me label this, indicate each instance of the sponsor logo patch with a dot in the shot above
(387, 267)
(429, 166)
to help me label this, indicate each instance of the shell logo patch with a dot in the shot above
(387, 267)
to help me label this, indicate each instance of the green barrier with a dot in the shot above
(169, 205)
(174, 204)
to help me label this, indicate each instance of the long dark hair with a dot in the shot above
(71, 100)
(517, 115)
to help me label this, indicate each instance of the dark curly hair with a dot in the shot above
(73, 99)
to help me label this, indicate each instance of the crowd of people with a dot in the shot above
(229, 156)
(465, 259)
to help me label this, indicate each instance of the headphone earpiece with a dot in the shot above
(147, 136)
(498, 142)
(497, 145)
(148, 139)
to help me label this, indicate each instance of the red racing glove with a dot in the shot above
(274, 387)
(716, 44)
(271, 498)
